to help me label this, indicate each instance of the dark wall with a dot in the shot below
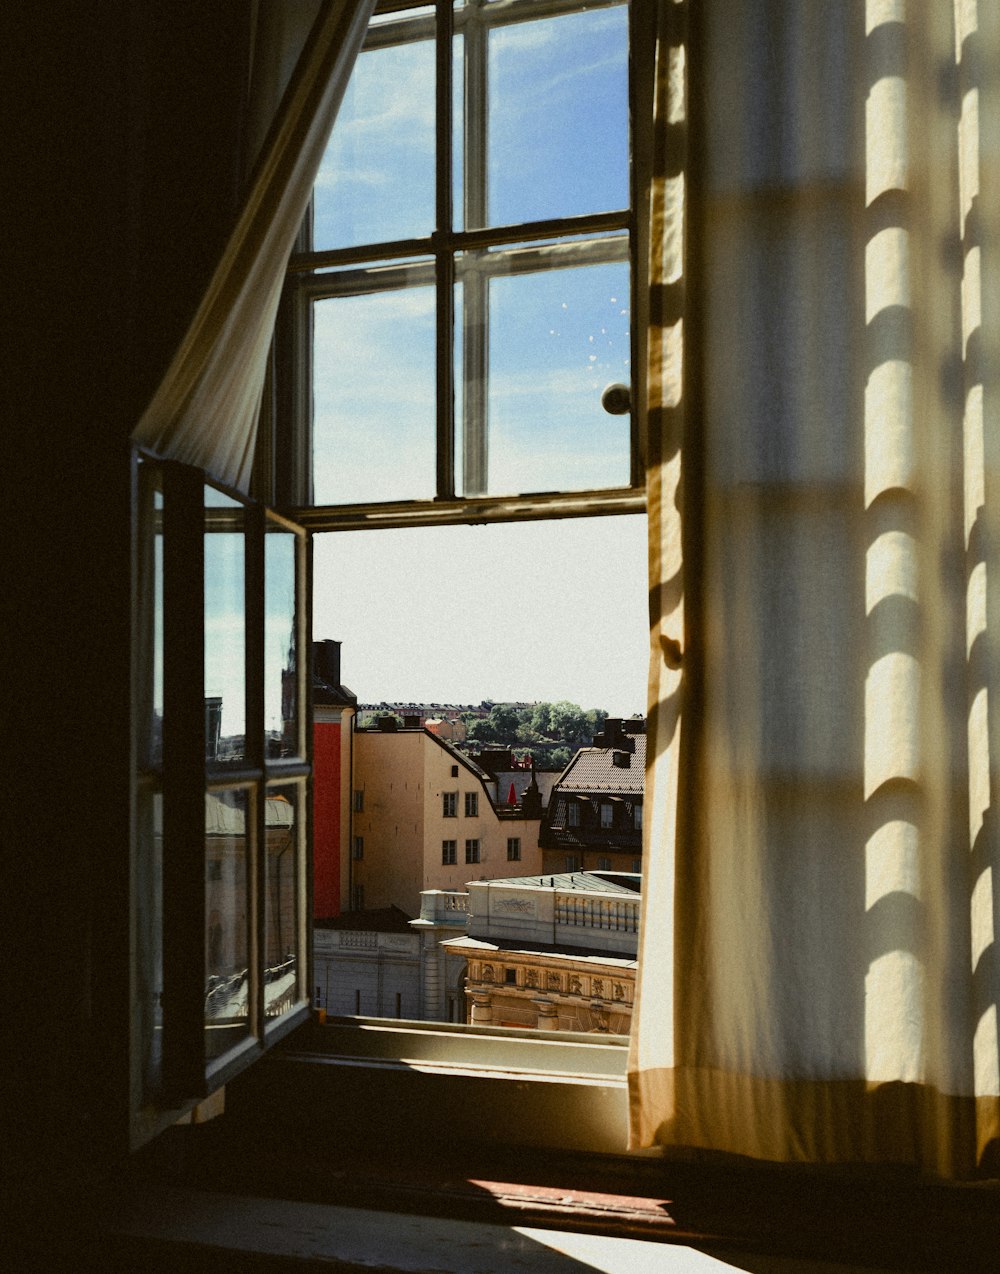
(121, 149)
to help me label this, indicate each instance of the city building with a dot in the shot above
(593, 821)
(424, 816)
(553, 952)
(334, 712)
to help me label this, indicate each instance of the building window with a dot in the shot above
(604, 864)
(510, 977)
(472, 805)
(572, 814)
(359, 801)
(358, 898)
(572, 862)
(472, 851)
(359, 847)
(513, 849)
(637, 864)
(637, 816)
(607, 815)
(454, 771)
(449, 804)
(448, 852)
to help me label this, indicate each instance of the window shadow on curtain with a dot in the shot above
(823, 834)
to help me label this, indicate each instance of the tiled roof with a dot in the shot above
(594, 770)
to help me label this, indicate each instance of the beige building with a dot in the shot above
(426, 817)
(556, 953)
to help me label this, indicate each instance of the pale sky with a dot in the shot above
(529, 610)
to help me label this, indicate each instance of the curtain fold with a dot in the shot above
(819, 976)
(206, 408)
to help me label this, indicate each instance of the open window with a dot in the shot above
(222, 767)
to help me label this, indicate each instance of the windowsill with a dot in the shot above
(357, 1134)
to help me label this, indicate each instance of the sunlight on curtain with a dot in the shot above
(835, 977)
(205, 410)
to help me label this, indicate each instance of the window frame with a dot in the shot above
(449, 805)
(307, 282)
(513, 849)
(531, 1055)
(473, 851)
(471, 804)
(449, 853)
(183, 774)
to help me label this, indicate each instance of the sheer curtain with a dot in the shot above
(819, 975)
(206, 409)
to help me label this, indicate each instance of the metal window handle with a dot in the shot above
(616, 399)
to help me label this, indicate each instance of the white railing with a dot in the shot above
(580, 911)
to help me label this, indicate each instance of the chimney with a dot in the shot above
(411, 723)
(326, 661)
(388, 725)
(612, 736)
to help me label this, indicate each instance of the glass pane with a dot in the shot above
(376, 180)
(225, 630)
(148, 1010)
(556, 339)
(281, 910)
(558, 117)
(374, 417)
(281, 708)
(457, 121)
(150, 611)
(227, 873)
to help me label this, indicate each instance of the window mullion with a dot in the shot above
(475, 289)
(444, 260)
(255, 752)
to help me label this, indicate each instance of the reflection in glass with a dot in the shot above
(227, 874)
(225, 629)
(374, 397)
(376, 181)
(558, 117)
(556, 339)
(281, 822)
(149, 715)
(148, 1004)
(280, 676)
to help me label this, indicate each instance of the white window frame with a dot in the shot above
(513, 849)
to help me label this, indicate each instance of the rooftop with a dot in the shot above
(612, 769)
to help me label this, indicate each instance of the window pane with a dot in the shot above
(148, 1003)
(227, 869)
(374, 418)
(556, 339)
(558, 117)
(225, 630)
(150, 613)
(281, 919)
(376, 181)
(281, 709)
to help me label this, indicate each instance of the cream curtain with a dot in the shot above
(819, 976)
(205, 410)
